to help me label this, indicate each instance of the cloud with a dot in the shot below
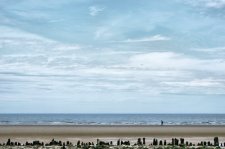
(103, 32)
(56, 20)
(10, 32)
(211, 50)
(146, 39)
(64, 68)
(18, 41)
(175, 61)
(95, 10)
(55, 50)
(214, 4)
(200, 86)
(208, 82)
(31, 14)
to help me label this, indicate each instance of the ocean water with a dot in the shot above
(112, 119)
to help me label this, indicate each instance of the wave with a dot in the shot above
(111, 119)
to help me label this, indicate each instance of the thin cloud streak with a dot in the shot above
(146, 39)
(95, 10)
(209, 4)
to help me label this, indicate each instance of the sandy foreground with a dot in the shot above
(110, 133)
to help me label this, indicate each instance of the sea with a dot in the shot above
(112, 119)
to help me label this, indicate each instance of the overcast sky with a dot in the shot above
(112, 56)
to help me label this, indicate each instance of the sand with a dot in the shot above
(114, 132)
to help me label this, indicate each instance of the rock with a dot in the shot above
(187, 143)
(181, 141)
(160, 142)
(176, 141)
(155, 142)
(63, 147)
(216, 141)
(144, 141)
(118, 142)
(173, 141)
(139, 141)
(8, 142)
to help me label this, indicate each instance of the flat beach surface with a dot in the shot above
(111, 130)
(108, 132)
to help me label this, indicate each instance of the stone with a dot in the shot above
(165, 142)
(216, 141)
(8, 142)
(181, 140)
(144, 141)
(139, 141)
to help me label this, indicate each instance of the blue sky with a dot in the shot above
(112, 56)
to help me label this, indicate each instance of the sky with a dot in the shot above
(112, 56)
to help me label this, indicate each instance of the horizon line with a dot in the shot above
(108, 113)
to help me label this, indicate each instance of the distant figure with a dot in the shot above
(162, 123)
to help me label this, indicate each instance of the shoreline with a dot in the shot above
(110, 133)
(105, 125)
(113, 130)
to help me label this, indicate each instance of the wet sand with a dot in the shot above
(91, 132)
(111, 131)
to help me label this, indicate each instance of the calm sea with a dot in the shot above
(112, 119)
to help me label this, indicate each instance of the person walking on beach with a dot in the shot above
(161, 122)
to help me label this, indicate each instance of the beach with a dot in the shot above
(111, 131)
(91, 133)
